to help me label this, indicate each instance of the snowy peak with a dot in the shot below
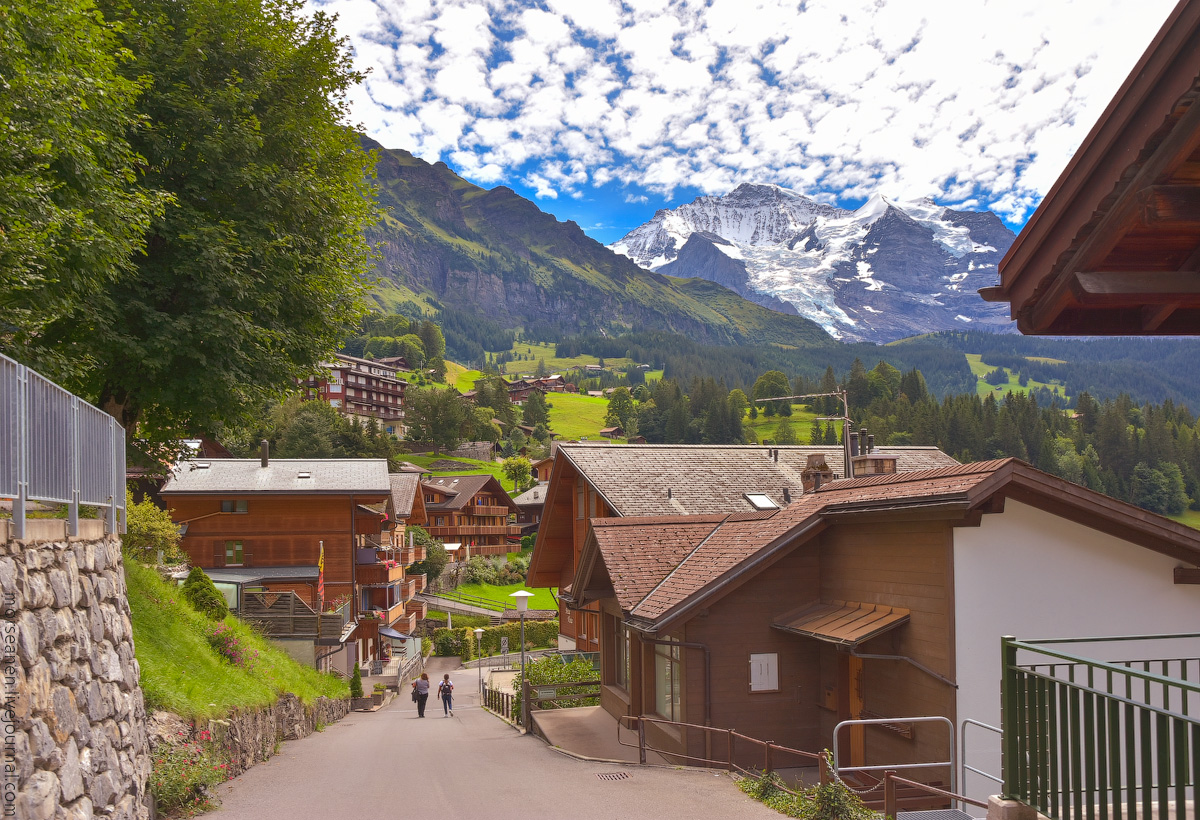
(888, 269)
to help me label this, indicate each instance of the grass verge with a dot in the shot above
(183, 674)
(542, 598)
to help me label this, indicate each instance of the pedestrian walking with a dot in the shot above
(446, 690)
(421, 693)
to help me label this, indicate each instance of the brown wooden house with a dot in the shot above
(258, 526)
(876, 597)
(594, 481)
(472, 510)
(1114, 248)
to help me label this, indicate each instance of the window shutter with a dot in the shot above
(764, 672)
(218, 553)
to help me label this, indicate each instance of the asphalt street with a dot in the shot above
(390, 764)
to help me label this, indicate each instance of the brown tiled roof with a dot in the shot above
(711, 479)
(463, 489)
(404, 492)
(698, 554)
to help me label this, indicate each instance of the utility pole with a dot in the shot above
(840, 393)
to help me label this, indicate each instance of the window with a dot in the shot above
(764, 672)
(233, 553)
(580, 499)
(667, 675)
(234, 506)
(760, 501)
(621, 655)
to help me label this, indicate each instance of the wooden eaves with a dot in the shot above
(1114, 248)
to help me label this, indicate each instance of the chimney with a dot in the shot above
(264, 450)
(668, 492)
(862, 441)
(787, 496)
(815, 472)
(853, 446)
(870, 444)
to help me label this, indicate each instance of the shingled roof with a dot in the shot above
(302, 476)
(662, 567)
(706, 479)
(462, 488)
(404, 492)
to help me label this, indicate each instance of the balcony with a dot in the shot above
(284, 615)
(379, 573)
(389, 615)
(467, 531)
(419, 580)
(416, 608)
(480, 509)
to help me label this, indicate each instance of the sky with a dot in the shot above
(603, 111)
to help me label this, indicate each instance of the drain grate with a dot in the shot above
(613, 775)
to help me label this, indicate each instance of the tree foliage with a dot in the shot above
(148, 529)
(199, 591)
(517, 469)
(255, 269)
(72, 216)
(438, 415)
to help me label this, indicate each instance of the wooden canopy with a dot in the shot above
(843, 623)
(1114, 248)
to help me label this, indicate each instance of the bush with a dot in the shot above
(149, 529)
(226, 644)
(493, 571)
(181, 777)
(552, 670)
(356, 690)
(832, 801)
(198, 590)
(461, 641)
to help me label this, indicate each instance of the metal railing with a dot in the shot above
(1092, 740)
(962, 752)
(846, 724)
(715, 737)
(57, 448)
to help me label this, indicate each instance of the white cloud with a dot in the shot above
(959, 99)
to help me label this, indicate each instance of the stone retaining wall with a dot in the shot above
(73, 725)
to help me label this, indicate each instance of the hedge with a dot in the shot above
(461, 641)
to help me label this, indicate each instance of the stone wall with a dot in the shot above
(73, 726)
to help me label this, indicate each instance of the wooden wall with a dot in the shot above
(904, 564)
(276, 531)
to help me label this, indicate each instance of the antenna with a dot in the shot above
(844, 419)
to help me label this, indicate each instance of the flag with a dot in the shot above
(321, 579)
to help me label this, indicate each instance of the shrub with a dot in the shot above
(831, 801)
(149, 529)
(226, 643)
(198, 590)
(181, 776)
(461, 641)
(356, 690)
(552, 670)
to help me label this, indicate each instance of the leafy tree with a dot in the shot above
(148, 529)
(437, 415)
(517, 469)
(738, 403)
(620, 408)
(255, 270)
(71, 215)
(432, 340)
(773, 383)
(435, 559)
(436, 366)
(199, 591)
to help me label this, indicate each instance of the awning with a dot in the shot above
(844, 623)
(388, 632)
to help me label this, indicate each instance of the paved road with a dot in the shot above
(389, 764)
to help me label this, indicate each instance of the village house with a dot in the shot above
(361, 389)
(471, 510)
(258, 527)
(529, 507)
(593, 480)
(883, 596)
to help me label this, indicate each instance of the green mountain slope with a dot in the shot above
(496, 254)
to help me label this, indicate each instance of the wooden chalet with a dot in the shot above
(540, 469)
(529, 507)
(551, 384)
(593, 480)
(256, 526)
(613, 432)
(472, 510)
(1114, 248)
(876, 597)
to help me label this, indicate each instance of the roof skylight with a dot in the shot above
(760, 501)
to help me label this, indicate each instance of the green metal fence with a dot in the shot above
(1090, 739)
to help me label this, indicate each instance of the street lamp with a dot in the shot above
(523, 596)
(479, 654)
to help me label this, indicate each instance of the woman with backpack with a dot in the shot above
(421, 693)
(446, 689)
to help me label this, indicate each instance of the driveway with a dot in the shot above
(389, 764)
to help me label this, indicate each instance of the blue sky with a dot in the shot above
(603, 111)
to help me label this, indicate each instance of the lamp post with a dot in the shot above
(523, 596)
(479, 654)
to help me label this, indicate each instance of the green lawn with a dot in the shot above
(983, 388)
(461, 377)
(764, 427)
(532, 351)
(473, 467)
(182, 673)
(573, 415)
(542, 599)
(1189, 517)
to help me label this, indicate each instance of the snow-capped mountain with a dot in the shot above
(882, 272)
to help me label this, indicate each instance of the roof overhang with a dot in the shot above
(1114, 248)
(842, 623)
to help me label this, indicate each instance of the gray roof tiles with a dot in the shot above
(708, 479)
(404, 492)
(281, 475)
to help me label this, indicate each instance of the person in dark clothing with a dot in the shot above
(421, 688)
(446, 689)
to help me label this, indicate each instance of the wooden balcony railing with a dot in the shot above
(285, 615)
(419, 580)
(379, 573)
(417, 608)
(389, 615)
(480, 509)
(451, 533)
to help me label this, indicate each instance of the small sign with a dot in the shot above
(547, 692)
(504, 645)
